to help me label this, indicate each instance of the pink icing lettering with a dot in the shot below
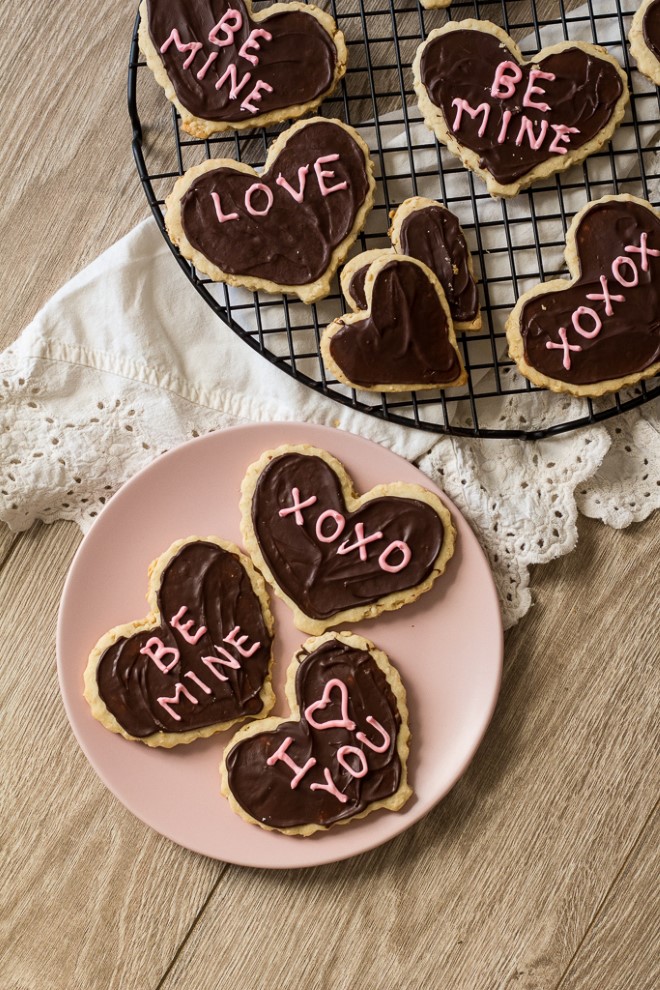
(506, 120)
(251, 42)
(562, 133)
(228, 661)
(297, 506)
(338, 519)
(342, 754)
(282, 755)
(360, 736)
(195, 679)
(179, 689)
(192, 46)
(298, 193)
(383, 562)
(222, 217)
(230, 22)
(616, 271)
(155, 649)
(606, 295)
(323, 174)
(207, 65)
(344, 722)
(258, 187)
(254, 94)
(577, 326)
(360, 543)
(504, 84)
(527, 127)
(531, 88)
(236, 87)
(175, 622)
(238, 643)
(329, 786)
(564, 346)
(462, 106)
(644, 250)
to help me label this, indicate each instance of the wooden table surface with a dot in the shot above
(536, 871)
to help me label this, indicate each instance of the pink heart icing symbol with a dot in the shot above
(344, 722)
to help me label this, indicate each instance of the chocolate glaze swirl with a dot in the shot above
(404, 340)
(265, 792)
(651, 28)
(311, 573)
(294, 242)
(629, 341)
(298, 63)
(216, 589)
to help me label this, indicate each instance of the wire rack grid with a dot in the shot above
(515, 243)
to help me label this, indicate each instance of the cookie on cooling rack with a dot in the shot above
(510, 121)
(342, 752)
(645, 39)
(226, 67)
(285, 229)
(599, 331)
(403, 340)
(334, 556)
(199, 662)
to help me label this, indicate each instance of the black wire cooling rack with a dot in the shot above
(515, 243)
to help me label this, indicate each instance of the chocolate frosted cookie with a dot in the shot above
(331, 555)
(600, 330)
(404, 339)
(285, 229)
(224, 66)
(510, 121)
(645, 39)
(341, 753)
(199, 662)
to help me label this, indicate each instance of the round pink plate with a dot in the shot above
(447, 647)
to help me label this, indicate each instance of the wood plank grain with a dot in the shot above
(93, 898)
(498, 885)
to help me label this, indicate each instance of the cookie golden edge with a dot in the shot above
(309, 293)
(200, 127)
(513, 323)
(647, 63)
(435, 121)
(389, 603)
(167, 740)
(378, 262)
(396, 800)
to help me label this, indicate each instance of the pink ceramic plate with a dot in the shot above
(447, 647)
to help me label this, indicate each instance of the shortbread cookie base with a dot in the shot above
(396, 801)
(647, 63)
(309, 293)
(167, 740)
(199, 127)
(515, 339)
(307, 623)
(435, 120)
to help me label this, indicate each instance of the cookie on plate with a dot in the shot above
(645, 39)
(199, 662)
(341, 753)
(599, 331)
(227, 67)
(334, 556)
(510, 121)
(404, 339)
(285, 229)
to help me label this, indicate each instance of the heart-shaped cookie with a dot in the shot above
(225, 67)
(405, 340)
(645, 39)
(510, 121)
(286, 229)
(340, 755)
(600, 331)
(199, 662)
(428, 231)
(330, 555)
